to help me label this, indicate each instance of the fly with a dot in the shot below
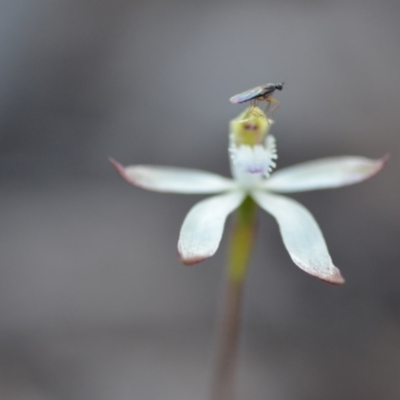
(259, 93)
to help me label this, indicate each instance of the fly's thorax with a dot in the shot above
(269, 88)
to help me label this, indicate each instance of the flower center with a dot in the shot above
(252, 151)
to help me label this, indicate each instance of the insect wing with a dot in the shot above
(247, 95)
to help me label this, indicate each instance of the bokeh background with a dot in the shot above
(94, 303)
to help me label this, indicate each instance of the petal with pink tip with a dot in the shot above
(174, 180)
(203, 226)
(301, 236)
(324, 173)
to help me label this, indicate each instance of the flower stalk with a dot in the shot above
(240, 247)
(241, 241)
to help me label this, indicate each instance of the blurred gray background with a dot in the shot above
(94, 303)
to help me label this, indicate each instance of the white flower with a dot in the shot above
(253, 154)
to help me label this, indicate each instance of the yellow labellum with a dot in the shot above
(250, 127)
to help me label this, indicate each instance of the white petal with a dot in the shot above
(325, 173)
(174, 180)
(202, 228)
(301, 235)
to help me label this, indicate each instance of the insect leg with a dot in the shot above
(268, 105)
(276, 102)
(253, 104)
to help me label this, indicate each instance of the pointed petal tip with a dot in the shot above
(114, 162)
(335, 279)
(331, 275)
(121, 170)
(383, 161)
(118, 167)
(380, 163)
(191, 260)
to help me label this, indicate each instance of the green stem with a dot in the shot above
(228, 338)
